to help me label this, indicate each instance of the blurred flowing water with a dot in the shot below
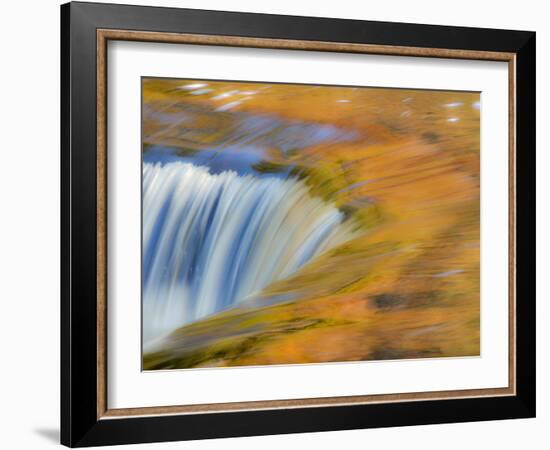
(214, 240)
(198, 127)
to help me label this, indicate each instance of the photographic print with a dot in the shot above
(299, 224)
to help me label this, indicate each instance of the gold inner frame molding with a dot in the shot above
(105, 35)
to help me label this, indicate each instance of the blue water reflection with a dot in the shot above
(240, 142)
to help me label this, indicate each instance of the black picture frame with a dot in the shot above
(80, 425)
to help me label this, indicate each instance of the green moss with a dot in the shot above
(269, 167)
(230, 350)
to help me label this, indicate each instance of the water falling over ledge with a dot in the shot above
(211, 241)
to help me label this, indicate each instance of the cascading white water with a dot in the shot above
(210, 241)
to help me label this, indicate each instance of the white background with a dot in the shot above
(128, 387)
(29, 241)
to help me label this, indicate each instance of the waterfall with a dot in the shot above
(210, 241)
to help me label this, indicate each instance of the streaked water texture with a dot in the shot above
(210, 241)
(288, 223)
